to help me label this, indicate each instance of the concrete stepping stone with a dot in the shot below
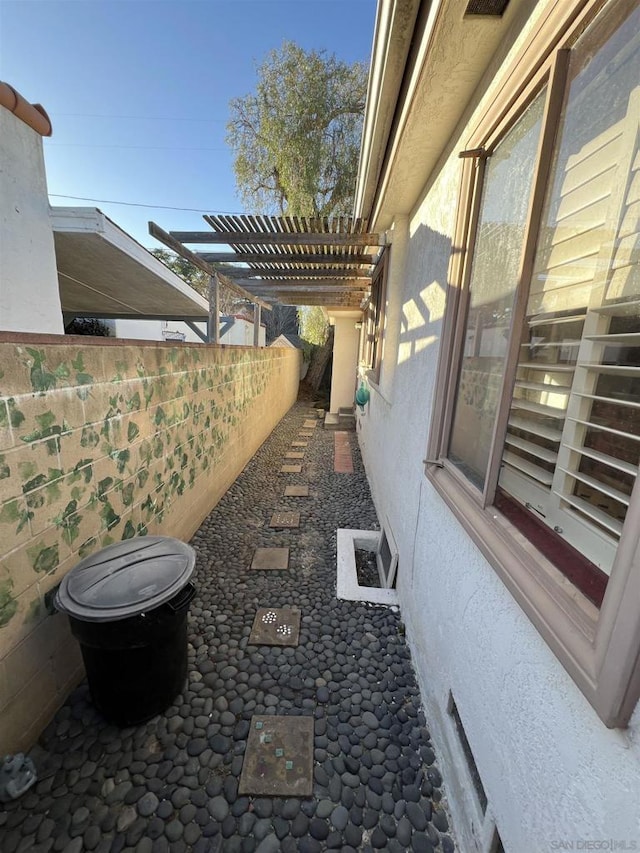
(309, 424)
(274, 559)
(305, 434)
(275, 626)
(299, 444)
(296, 492)
(278, 761)
(291, 469)
(294, 454)
(285, 519)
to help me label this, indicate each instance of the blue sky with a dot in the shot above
(138, 91)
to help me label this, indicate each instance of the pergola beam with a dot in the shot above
(296, 288)
(176, 246)
(270, 238)
(287, 258)
(322, 284)
(239, 274)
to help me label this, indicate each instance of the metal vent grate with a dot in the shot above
(494, 8)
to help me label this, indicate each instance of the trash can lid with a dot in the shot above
(126, 578)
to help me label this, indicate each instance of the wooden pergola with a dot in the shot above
(289, 260)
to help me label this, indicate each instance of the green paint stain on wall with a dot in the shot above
(82, 377)
(109, 516)
(121, 458)
(44, 559)
(8, 603)
(89, 437)
(104, 485)
(134, 402)
(49, 430)
(35, 612)
(129, 530)
(15, 415)
(87, 547)
(41, 378)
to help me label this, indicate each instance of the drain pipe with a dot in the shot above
(33, 115)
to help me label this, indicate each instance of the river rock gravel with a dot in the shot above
(171, 784)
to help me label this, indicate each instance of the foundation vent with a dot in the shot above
(471, 764)
(486, 8)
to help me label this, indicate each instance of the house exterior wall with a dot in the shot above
(29, 297)
(240, 334)
(345, 356)
(553, 773)
(102, 442)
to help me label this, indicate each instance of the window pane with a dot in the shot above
(493, 283)
(573, 440)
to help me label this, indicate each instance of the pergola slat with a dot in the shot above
(242, 238)
(287, 258)
(290, 259)
(298, 273)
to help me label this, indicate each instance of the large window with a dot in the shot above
(538, 422)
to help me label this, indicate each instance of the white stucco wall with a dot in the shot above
(553, 773)
(240, 334)
(345, 357)
(29, 297)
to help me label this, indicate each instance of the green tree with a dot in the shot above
(296, 141)
(314, 327)
(198, 279)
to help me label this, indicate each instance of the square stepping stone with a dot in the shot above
(291, 469)
(274, 559)
(278, 761)
(305, 433)
(299, 444)
(275, 626)
(309, 424)
(285, 519)
(296, 492)
(294, 454)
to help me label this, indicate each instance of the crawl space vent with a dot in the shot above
(492, 8)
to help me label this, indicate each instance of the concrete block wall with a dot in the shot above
(102, 441)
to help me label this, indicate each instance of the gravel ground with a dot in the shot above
(172, 784)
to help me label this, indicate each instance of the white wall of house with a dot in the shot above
(345, 357)
(29, 297)
(240, 334)
(551, 769)
(553, 773)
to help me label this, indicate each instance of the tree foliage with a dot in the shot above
(198, 279)
(281, 320)
(314, 327)
(296, 140)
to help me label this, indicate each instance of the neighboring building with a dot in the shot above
(235, 330)
(502, 349)
(29, 298)
(292, 341)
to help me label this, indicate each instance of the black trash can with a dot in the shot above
(127, 606)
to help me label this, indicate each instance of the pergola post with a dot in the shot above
(256, 324)
(213, 329)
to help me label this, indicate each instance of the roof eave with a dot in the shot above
(445, 57)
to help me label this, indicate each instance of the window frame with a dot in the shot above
(600, 649)
(374, 319)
